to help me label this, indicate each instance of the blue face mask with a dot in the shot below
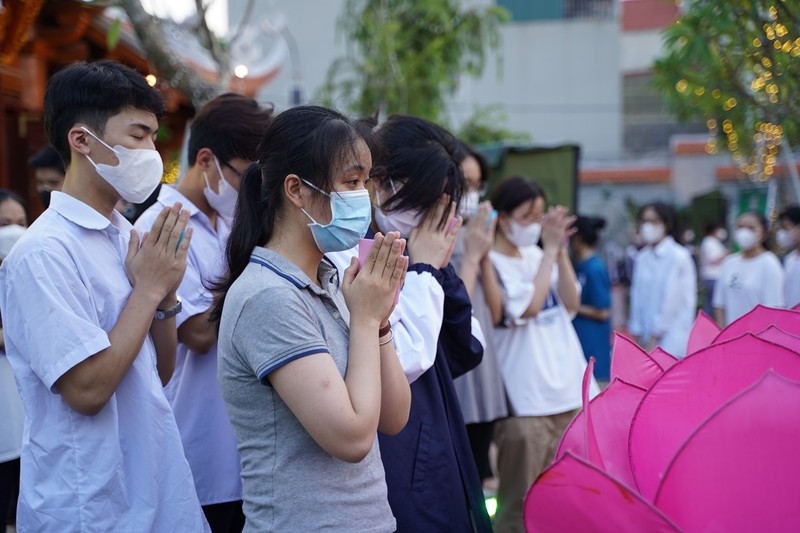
(351, 213)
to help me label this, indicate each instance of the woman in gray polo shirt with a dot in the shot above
(306, 363)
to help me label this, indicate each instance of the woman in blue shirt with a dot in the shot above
(593, 322)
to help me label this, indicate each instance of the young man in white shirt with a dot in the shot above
(88, 307)
(223, 142)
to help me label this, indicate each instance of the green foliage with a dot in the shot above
(405, 56)
(112, 37)
(736, 64)
(484, 126)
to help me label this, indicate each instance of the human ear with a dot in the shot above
(293, 189)
(204, 159)
(78, 140)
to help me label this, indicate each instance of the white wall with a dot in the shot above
(313, 25)
(559, 80)
(638, 50)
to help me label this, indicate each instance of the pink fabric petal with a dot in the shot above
(759, 319)
(703, 333)
(574, 495)
(664, 359)
(778, 336)
(632, 364)
(739, 470)
(590, 437)
(612, 411)
(689, 392)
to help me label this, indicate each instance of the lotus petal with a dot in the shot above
(574, 495)
(632, 364)
(778, 336)
(612, 411)
(691, 391)
(590, 437)
(703, 333)
(759, 319)
(664, 359)
(739, 470)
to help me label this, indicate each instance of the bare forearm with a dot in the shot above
(491, 290)
(198, 334)
(469, 274)
(165, 339)
(541, 284)
(395, 392)
(567, 283)
(363, 379)
(593, 313)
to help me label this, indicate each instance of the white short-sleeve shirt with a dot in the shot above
(541, 358)
(744, 283)
(62, 290)
(194, 392)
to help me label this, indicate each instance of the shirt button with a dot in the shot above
(335, 314)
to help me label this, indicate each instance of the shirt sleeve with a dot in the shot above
(195, 297)
(772, 288)
(417, 320)
(517, 292)
(680, 293)
(49, 316)
(635, 326)
(266, 340)
(721, 286)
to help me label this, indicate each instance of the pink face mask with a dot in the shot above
(402, 221)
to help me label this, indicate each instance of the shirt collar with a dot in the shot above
(661, 248)
(170, 194)
(86, 216)
(327, 272)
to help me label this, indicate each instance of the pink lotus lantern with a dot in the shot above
(707, 443)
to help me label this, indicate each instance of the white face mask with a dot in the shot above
(652, 233)
(745, 238)
(521, 236)
(470, 203)
(786, 238)
(136, 176)
(224, 201)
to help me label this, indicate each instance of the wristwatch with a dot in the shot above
(169, 313)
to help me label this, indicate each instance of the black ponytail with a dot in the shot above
(251, 225)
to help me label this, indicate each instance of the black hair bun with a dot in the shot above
(598, 223)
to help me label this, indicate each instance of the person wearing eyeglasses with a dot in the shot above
(222, 144)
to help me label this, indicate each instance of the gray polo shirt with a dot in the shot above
(274, 314)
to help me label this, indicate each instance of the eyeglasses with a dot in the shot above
(226, 164)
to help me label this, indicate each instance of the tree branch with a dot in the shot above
(248, 11)
(158, 51)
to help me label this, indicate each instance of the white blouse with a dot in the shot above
(664, 295)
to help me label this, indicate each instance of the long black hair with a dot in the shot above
(308, 141)
(423, 160)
